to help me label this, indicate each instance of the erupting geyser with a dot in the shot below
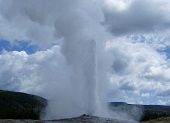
(83, 62)
(89, 68)
(73, 87)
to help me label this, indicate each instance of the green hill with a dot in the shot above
(16, 105)
(149, 112)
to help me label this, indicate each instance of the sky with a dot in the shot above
(41, 42)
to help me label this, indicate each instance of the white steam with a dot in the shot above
(77, 24)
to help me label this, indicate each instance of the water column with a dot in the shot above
(90, 73)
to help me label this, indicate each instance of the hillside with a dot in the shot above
(149, 112)
(16, 105)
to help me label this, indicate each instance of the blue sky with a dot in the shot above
(18, 46)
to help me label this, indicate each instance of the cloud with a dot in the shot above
(165, 92)
(160, 102)
(135, 16)
(27, 21)
(26, 73)
(145, 95)
(138, 66)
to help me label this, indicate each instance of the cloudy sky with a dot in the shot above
(41, 41)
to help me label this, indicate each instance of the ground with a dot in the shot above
(81, 119)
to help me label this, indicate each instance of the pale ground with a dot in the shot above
(82, 119)
(85, 119)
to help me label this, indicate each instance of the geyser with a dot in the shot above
(87, 69)
(91, 80)
(74, 78)
(80, 93)
(81, 33)
(83, 79)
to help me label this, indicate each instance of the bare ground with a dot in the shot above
(81, 119)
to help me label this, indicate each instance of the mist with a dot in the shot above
(80, 87)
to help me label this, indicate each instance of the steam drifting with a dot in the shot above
(74, 74)
(77, 25)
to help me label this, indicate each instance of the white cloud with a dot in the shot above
(145, 94)
(140, 16)
(120, 5)
(26, 73)
(138, 66)
(160, 102)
